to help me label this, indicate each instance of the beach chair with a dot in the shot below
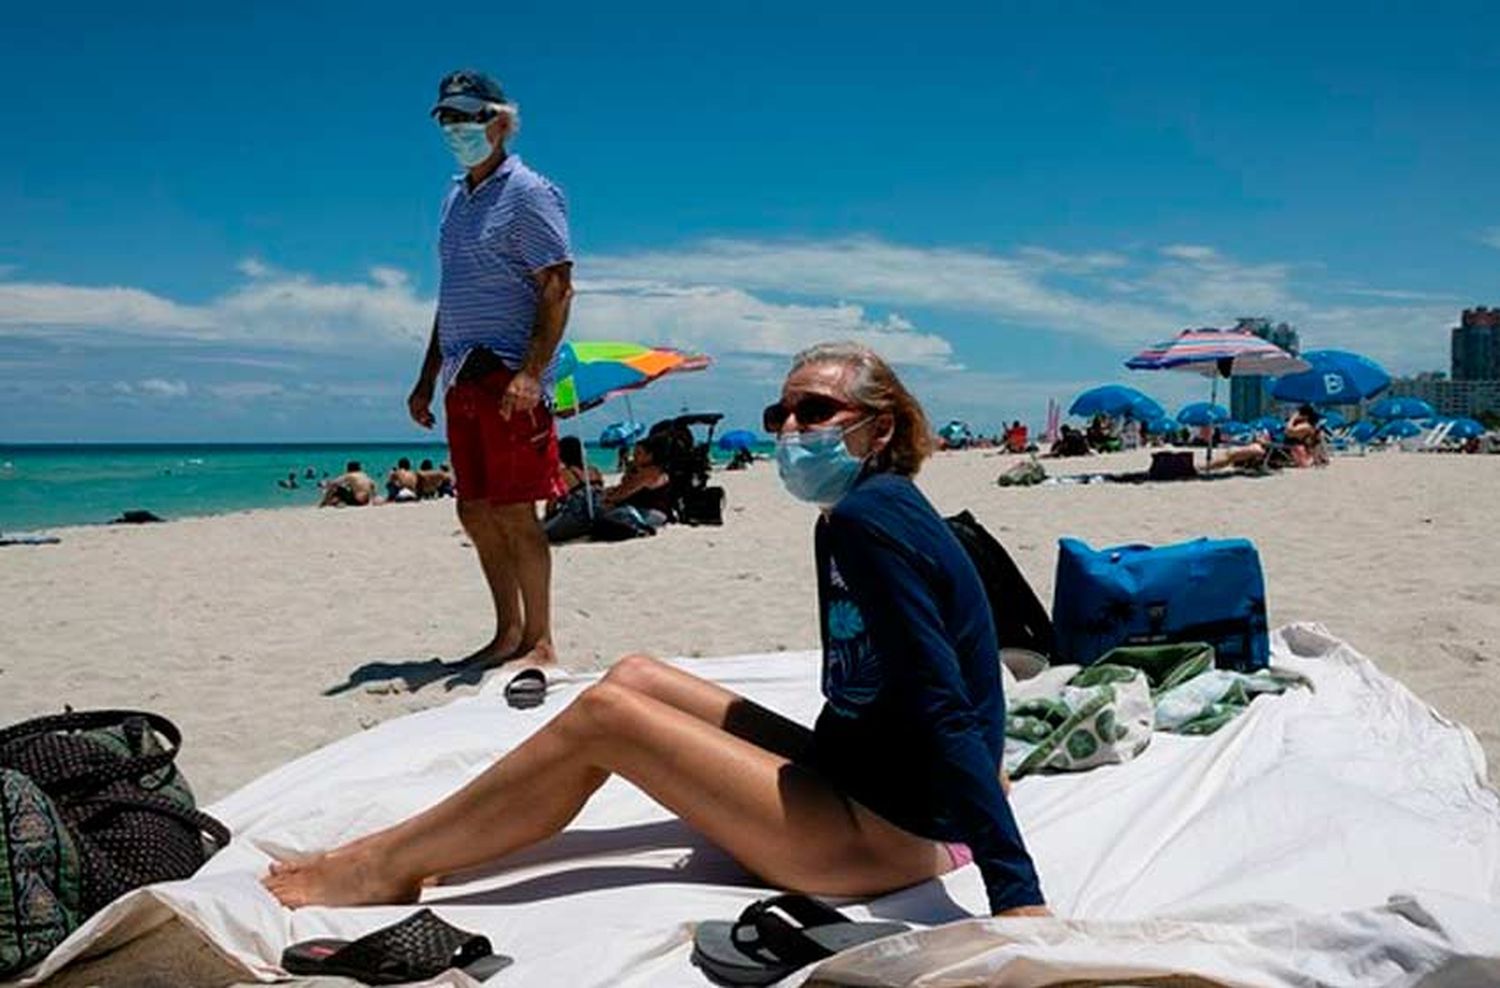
(1431, 441)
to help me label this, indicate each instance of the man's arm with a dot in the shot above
(555, 286)
(419, 402)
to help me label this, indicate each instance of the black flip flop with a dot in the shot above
(526, 689)
(776, 936)
(418, 948)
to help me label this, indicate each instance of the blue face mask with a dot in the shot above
(816, 466)
(468, 142)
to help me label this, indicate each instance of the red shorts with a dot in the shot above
(495, 459)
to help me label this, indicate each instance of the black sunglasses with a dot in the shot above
(446, 117)
(809, 409)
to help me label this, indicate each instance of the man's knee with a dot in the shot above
(635, 671)
(474, 516)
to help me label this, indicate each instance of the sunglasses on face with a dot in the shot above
(810, 410)
(446, 117)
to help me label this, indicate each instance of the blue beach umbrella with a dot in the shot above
(1162, 426)
(621, 434)
(1363, 431)
(1465, 429)
(1399, 429)
(737, 439)
(1203, 413)
(1334, 377)
(1401, 408)
(1333, 420)
(1116, 401)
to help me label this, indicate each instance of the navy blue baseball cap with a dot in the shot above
(468, 91)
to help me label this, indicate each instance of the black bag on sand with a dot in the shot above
(112, 778)
(1021, 620)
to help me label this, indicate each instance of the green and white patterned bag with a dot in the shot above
(41, 879)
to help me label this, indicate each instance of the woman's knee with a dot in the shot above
(635, 671)
(604, 710)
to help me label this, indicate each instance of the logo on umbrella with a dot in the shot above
(1333, 383)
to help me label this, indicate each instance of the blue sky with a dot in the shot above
(219, 224)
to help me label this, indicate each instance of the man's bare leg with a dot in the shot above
(481, 522)
(781, 822)
(531, 555)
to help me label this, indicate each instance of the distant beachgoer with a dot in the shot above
(1016, 437)
(352, 488)
(622, 458)
(310, 474)
(402, 482)
(899, 781)
(741, 459)
(571, 515)
(1071, 442)
(289, 482)
(1302, 446)
(645, 487)
(503, 296)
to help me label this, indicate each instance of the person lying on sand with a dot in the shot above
(352, 488)
(898, 782)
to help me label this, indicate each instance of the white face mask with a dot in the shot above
(469, 142)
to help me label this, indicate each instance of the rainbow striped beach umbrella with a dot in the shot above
(590, 372)
(1217, 353)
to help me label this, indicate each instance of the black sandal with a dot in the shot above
(418, 948)
(776, 936)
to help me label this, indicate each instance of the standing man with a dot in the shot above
(502, 304)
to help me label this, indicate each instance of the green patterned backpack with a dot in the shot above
(91, 807)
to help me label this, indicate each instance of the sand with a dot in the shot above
(237, 626)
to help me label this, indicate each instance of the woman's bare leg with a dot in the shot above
(780, 821)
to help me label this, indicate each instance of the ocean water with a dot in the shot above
(44, 486)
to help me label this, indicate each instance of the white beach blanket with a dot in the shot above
(1339, 836)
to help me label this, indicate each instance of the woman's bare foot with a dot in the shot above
(349, 876)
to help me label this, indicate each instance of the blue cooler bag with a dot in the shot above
(1205, 590)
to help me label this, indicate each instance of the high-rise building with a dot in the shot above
(1476, 345)
(1250, 397)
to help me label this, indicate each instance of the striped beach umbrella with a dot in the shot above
(590, 372)
(1216, 353)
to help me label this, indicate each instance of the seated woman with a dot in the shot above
(571, 514)
(898, 782)
(1302, 446)
(646, 487)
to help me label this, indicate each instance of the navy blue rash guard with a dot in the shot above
(914, 724)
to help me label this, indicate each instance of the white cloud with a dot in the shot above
(151, 387)
(252, 267)
(1491, 236)
(720, 320)
(270, 308)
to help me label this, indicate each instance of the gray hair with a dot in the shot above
(512, 113)
(875, 386)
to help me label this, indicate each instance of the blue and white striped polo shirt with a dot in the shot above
(492, 239)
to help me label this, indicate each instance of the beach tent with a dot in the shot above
(956, 434)
(1342, 835)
